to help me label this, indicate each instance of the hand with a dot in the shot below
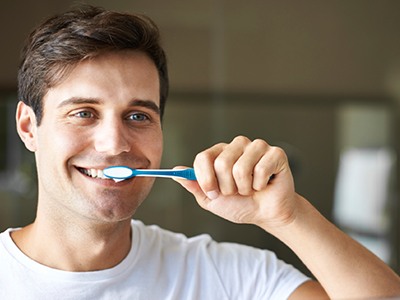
(250, 182)
(245, 182)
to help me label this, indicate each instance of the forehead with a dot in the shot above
(120, 76)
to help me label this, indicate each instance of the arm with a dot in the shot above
(343, 267)
(250, 182)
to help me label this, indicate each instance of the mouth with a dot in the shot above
(93, 173)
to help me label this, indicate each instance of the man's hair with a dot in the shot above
(54, 48)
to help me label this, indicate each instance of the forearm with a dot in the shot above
(250, 182)
(343, 267)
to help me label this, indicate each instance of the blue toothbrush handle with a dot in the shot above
(182, 173)
(187, 173)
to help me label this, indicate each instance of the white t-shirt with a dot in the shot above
(160, 265)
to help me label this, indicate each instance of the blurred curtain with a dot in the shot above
(363, 194)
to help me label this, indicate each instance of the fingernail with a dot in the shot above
(212, 195)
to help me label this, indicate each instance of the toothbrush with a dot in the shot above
(119, 173)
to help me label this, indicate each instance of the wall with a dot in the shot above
(280, 70)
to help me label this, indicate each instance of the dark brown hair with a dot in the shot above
(59, 43)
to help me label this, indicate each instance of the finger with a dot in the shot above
(270, 165)
(225, 162)
(193, 187)
(205, 173)
(243, 170)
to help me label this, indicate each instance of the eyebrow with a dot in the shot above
(147, 104)
(78, 100)
(135, 102)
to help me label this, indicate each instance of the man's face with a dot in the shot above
(104, 113)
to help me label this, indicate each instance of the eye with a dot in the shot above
(138, 117)
(84, 114)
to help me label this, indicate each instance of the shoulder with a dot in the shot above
(218, 251)
(6, 241)
(235, 268)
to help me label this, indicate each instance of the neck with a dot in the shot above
(76, 247)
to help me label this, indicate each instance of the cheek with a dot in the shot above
(154, 147)
(160, 143)
(59, 142)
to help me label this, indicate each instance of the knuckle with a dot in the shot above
(261, 171)
(260, 144)
(228, 191)
(240, 172)
(243, 179)
(245, 191)
(279, 152)
(208, 185)
(221, 164)
(241, 139)
(203, 157)
(210, 153)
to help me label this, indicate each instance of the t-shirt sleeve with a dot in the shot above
(250, 273)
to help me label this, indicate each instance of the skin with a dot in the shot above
(250, 182)
(105, 113)
(93, 119)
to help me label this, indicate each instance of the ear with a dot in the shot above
(26, 125)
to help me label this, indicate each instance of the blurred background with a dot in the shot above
(321, 79)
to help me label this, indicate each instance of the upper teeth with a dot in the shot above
(95, 173)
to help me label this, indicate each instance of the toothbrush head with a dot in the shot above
(118, 173)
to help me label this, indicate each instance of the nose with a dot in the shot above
(110, 138)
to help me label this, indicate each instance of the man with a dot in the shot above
(93, 86)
